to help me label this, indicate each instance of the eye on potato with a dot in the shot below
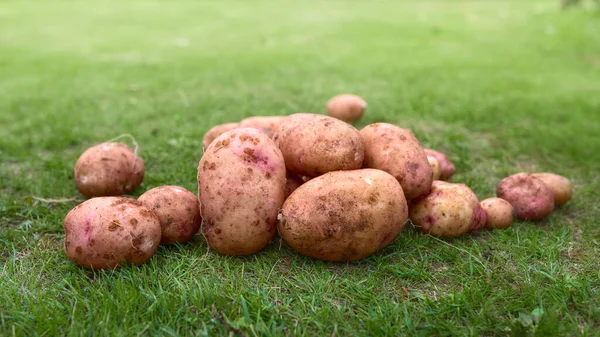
(216, 131)
(346, 107)
(499, 213)
(435, 167)
(529, 196)
(559, 185)
(447, 169)
(267, 124)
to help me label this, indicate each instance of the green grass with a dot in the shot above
(502, 86)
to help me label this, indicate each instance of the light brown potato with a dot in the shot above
(499, 213)
(435, 167)
(447, 169)
(529, 196)
(215, 132)
(108, 169)
(450, 210)
(109, 232)
(344, 215)
(559, 185)
(293, 181)
(398, 152)
(315, 144)
(267, 124)
(177, 210)
(346, 107)
(241, 183)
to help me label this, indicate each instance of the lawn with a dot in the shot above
(501, 86)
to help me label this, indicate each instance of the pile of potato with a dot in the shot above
(332, 192)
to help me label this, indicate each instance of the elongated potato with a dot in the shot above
(559, 185)
(529, 196)
(447, 169)
(499, 213)
(241, 182)
(267, 124)
(344, 215)
(216, 131)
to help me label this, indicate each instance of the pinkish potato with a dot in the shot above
(435, 167)
(108, 169)
(267, 124)
(499, 213)
(216, 131)
(346, 107)
(109, 232)
(398, 152)
(529, 196)
(293, 181)
(344, 215)
(559, 185)
(447, 169)
(450, 210)
(177, 210)
(241, 183)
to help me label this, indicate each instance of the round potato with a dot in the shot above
(344, 215)
(499, 213)
(447, 169)
(346, 107)
(314, 144)
(109, 232)
(435, 167)
(177, 210)
(241, 183)
(399, 153)
(216, 131)
(529, 196)
(450, 210)
(559, 185)
(267, 124)
(108, 169)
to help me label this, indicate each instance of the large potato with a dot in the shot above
(559, 185)
(267, 124)
(108, 169)
(346, 107)
(449, 210)
(216, 131)
(397, 151)
(315, 144)
(344, 215)
(529, 196)
(447, 169)
(241, 182)
(499, 213)
(108, 232)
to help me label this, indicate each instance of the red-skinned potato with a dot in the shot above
(216, 131)
(267, 124)
(346, 107)
(499, 213)
(108, 169)
(177, 210)
(435, 167)
(559, 185)
(447, 169)
(529, 196)
(109, 232)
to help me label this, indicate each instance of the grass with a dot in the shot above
(501, 86)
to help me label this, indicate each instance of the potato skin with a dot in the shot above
(447, 169)
(398, 152)
(559, 185)
(108, 169)
(435, 167)
(215, 132)
(267, 124)
(344, 215)
(529, 196)
(108, 232)
(177, 210)
(499, 213)
(315, 144)
(241, 182)
(346, 107)
(450, 210)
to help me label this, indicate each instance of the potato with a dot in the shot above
(344, 215)
(450, 210)
(241, 183)
(447, 169)
(499, 213)
(177, 210)
(267, 124)
(529, 196)
(108, 232)
(559, 185)
(346, 107)
(293, 181)
(435, 167)
(314, 144)
(397, 151)
(215, 132)
(108, 169)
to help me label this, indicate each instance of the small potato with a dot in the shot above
(108, 232)
(346, 107)
(529, 196)
(398, 152)
(267, 124)
(108, 169)
(314, 144)
(450, 210)
(499, 213)
(435, 167)
(216, 131)
(447, 169)
(177, 210)
(241, 183)
(344, 215)
(293, 181)
(559, 185)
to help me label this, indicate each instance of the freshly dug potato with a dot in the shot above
(315, 144)
(529, 196)
(108, 169)
(177, 210)
(216, 131)
(108, 232)
(449, 210)
(499, 213)
(559, 185)
(267, 124)
(241, 183)
(293, 181)
(344, 215)
(435, 167)
(447, 169)
(346, 107)
(397, 151)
